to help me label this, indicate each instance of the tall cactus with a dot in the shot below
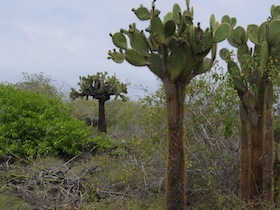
(175, 50)
(252, 77)
(101, 87)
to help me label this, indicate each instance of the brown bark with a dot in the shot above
(256, 161)
(245, 188)
(176, 172)
(276, 176)
(268, 146)
(101, 119)
(257, 141)
(257, 126)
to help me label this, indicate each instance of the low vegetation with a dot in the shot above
(125, 168)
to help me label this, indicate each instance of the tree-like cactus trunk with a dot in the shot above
(257, 145)
(256, 151)
(102, 121)
(257, 121)
(245, 188)
(268, 157)
(176, 171)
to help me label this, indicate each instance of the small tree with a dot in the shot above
(39, 83)
(100, 87)
(175, 51)
(253, 77)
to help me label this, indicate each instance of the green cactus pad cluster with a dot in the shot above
(173, 47)
(238, 37)
(229, 20)
(100, 85)
(254, 65)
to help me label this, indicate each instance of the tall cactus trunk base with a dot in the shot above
(101, 121)
(245, 188)
(257, 147)
(176, 172)
(269, 149)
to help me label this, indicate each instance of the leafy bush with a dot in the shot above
(33, 124)
(103, 142)
(40, 83)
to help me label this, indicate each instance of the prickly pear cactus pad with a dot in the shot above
(172, 46)
(261, 60)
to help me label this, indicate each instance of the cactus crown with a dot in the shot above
(254, 63)
(172, 47)
(99, 86)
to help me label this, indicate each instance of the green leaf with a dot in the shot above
(237, 37)
(242, 50)
(142, 13)
(275, 11)
(273, 35)
(176, 63)
(155, 63)
(253, 33)
(233, 69)
(176, 13)
(226, 19)
(119, 40)
(157, 30)
(206, 66)
(167, 17)
(134, 58)
(205, 43)
(169, 28)
(239, 84)
(222, 32)
(116, 56)
(139, 43)
(213, 22)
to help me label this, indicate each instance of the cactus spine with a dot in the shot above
(252, 80)
(175, 50)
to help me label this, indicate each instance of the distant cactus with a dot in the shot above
(175, 50)
(100, 87)
(253, 76)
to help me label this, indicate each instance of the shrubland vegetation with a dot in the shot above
(52, 159)
(125, 168)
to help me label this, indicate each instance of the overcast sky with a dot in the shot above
(66, 39)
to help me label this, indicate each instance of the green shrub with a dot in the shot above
(103, 143)
(32, 124)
